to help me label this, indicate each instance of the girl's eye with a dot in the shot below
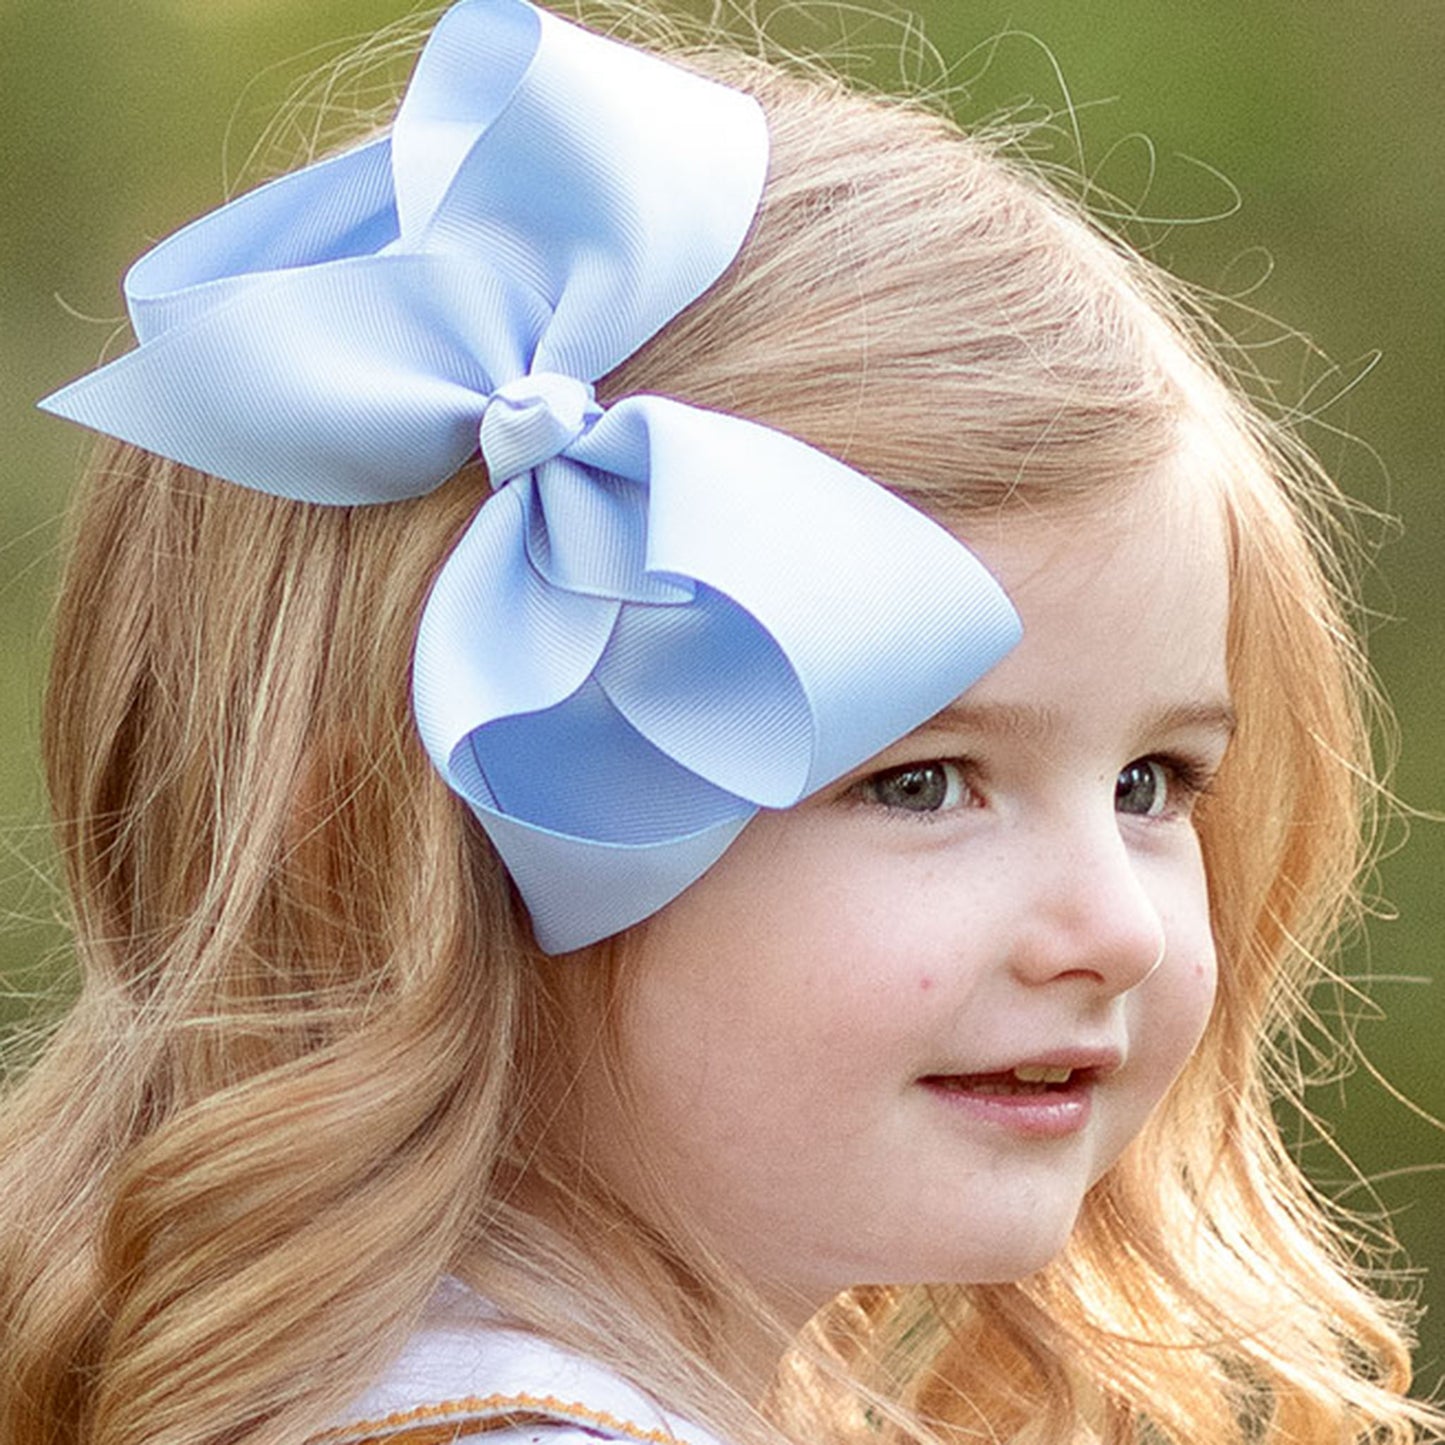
(1151, 787)
(1142, 788)
(928, 787)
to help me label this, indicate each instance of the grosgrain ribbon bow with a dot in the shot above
(664, 618)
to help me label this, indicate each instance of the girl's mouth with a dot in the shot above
(1041, 1100)
(1029, 1079)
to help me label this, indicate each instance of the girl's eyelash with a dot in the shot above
(1186, 778)
(1191, 775)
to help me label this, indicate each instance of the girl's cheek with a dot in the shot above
(1185, 990)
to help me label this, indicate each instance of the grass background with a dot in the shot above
(1284, 153)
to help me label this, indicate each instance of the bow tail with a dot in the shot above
(579, 891)
(579, 804)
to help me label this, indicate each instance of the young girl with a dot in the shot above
(702, 757)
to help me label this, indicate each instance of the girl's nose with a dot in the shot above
(1092, 917)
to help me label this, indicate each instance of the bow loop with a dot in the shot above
(547, 200)
(532, 419)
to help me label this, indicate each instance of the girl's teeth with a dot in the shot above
(1026, 1079)
(1041, 1074)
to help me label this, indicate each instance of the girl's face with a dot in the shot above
(897, 1032)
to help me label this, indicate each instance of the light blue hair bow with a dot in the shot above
(664, 618)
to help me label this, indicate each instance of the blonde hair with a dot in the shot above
(303, 1077)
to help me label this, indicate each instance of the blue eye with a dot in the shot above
(1142, 788)
(928, 787)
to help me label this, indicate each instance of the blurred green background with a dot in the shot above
(1282, 152)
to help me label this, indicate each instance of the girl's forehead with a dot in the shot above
(1171, 515)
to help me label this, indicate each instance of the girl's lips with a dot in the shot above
(1044, 1107)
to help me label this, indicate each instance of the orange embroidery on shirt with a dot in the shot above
(442, 1434)
(428, 1425)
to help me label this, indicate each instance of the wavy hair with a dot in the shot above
(306, 1073)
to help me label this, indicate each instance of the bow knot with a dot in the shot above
(531, 419)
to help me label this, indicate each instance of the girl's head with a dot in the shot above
(337, 1066)
(899, 1031)
(916, 303)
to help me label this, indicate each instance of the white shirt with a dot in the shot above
(464, 1373)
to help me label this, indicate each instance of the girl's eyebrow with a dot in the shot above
(1035, 722)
